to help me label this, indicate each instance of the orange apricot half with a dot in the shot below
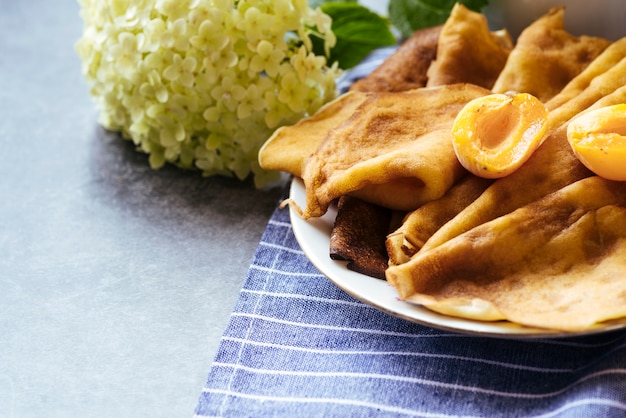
(598, 138)
(495, 134)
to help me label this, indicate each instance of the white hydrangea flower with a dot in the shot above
(203, 83)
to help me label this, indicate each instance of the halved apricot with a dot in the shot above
(598, 138)
(495, 134)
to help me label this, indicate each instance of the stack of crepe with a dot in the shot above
(543, 247)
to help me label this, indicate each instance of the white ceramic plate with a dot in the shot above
(314, 238)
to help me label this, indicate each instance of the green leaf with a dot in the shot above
(410, 15)
(359, 31)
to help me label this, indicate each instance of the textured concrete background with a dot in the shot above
(116, 281)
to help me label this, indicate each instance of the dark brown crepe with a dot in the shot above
(406, 68)
(358, 236)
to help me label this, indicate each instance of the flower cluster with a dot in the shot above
(203, 83)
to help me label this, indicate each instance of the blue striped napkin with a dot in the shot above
(298, 346)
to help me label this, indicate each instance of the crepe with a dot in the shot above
(557, 263)
(358, 236)
(601, 88)
(406, 68)
(289, 146)
(396, 149)
(610, 57)
(419, 225)
(546, 57)
(468, 52)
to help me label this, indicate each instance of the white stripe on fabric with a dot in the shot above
(305, 297)
(282, 247)
(398, 353)
(286, 273)
(584, 402)
(339, 328)
(280, 223)
(339, 401)
(426, 382)
(569, 343)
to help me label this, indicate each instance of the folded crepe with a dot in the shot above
(406, 68)
(610, 57)
(289, 146)
(358, 236)
(556, 263)
(468, 52)
(395, 151)
(419, 225)
(546, 57)
(589, 88)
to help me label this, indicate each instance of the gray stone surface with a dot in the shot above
(116, 281)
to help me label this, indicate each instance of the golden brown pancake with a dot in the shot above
(406, 68)
(589, 88)
(392, 138)
(419, 225)
(556, 263)
(289, 146)
(468, 52)
(610, 57)
(546, 57)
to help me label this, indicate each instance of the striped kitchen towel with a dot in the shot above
(298, 346)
